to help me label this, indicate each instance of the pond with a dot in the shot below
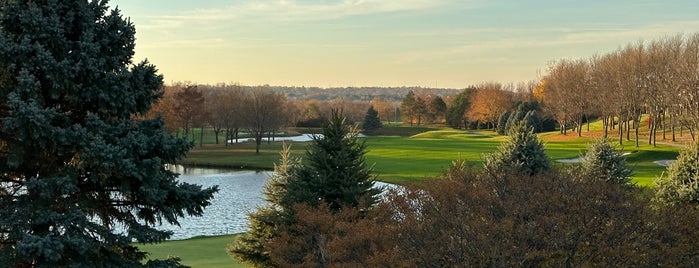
(240, 191)
(299, 138)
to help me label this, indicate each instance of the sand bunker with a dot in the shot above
(664, 163)
(569, 160)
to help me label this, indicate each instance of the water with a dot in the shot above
(240, 192)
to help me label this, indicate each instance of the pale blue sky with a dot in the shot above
(390, 42)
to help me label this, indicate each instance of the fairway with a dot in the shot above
(405, 159)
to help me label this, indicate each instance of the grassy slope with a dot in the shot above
(209, 252)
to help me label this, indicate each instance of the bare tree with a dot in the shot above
(264, 110)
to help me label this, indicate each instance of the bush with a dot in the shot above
(522, 153)
(602, 162)
(681, 185)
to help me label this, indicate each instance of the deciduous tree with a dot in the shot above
(487, 103)
(264, 110)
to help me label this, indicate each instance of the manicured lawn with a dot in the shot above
(208, 252)
(412, 159)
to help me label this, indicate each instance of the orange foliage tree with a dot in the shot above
(488, 102)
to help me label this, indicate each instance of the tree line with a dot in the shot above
(657, 78)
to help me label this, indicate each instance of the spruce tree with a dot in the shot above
(266, 220)
(82, 177)
(335, 170)
(371, 121)
(681, 185)
(604, 163)
(522, 153)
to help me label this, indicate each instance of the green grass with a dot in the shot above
(408, 155)
(209, 252)
(406, 159)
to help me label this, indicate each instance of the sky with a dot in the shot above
(427, 43)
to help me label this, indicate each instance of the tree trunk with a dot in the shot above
(258, 141)
(672, 127)
(201, 137)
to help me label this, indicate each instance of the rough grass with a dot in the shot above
(209, 252)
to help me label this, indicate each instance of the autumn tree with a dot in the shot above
(487, 103)
(83, 176)
(165, 108)
(383, 108)
(189, 108)
(549, 219)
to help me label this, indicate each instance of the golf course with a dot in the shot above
(400, 155)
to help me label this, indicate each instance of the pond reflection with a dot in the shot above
(240, 192)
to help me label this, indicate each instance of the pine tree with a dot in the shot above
(602, 162)
(266, 220)
(681, 185)
(82, 177)
(371, 121)
(522, 153)
(335, 170)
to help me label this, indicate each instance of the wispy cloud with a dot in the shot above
(542, 39)
(287, 10)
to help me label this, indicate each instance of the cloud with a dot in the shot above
(286, 11)
(539, 40)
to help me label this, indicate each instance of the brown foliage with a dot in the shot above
(467, 219)
(321, 238)
(488, 102)
(543, 220)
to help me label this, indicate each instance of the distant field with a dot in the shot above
(412, 154)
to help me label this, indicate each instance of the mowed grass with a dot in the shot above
(209, 252)
(412, 155)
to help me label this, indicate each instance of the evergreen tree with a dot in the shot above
(455, 114)
(335, 170)
(681, 185)
(522, 153)
(265, 221)
(371, 121)
(502, 122)
(602, 162)
(76, 163)
(533, 120)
